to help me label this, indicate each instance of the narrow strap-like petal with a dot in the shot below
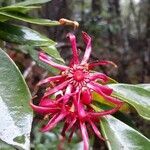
(63, 132)
(102, 62)
(44, 110)
(56, 88)
(52, 124)
(84, 135)
(76, 98)
(49, 79)
(80, 107)
(101, 76)
(47, 59)
(71, 134)
(104, 112)
(74, 47)
(87, 40)
(51, 120)
(67, 92)
(47, 102)
(104, 88)
(95, 129)
(69, 124)
(109, 98)
(73, 121)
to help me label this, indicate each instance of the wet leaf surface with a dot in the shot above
(23, 35)
(121, 136)
(29, 19)
(16, 114)
(31, 2)
(136, 96)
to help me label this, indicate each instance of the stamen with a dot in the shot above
(78, 75)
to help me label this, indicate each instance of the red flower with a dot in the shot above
(76, 82)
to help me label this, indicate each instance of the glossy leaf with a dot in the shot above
(26, 18)
(20, 9)
(144, 86)
(23, 35)
(31, 2)
(121, 136)
(16, 114)
(136, 96)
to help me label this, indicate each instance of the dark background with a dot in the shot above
(120, 30)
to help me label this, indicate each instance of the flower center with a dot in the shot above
(78, 75)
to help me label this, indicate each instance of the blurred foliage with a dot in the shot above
(120, 30)
(53, 140)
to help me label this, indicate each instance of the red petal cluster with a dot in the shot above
(76, 83)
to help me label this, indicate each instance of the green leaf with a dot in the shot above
(20, 9)
(16, 115)
(3, 18)
(121, 136)
(144, 86)
(23, 35)
(136, 96)
(26, 18)
(4, 146)
(19, 12)
(31, 2)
